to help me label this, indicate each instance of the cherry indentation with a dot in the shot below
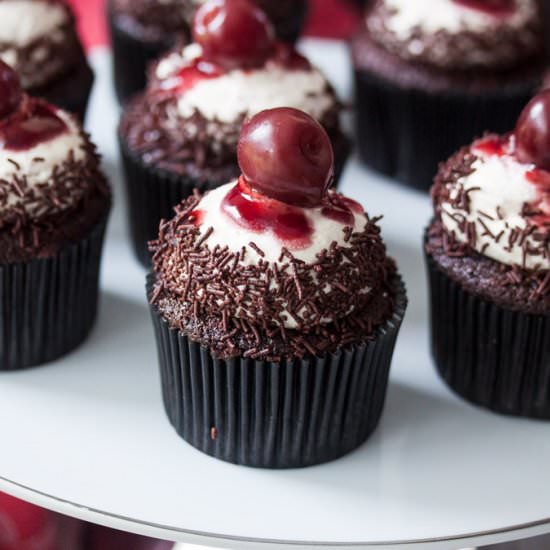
(34, 124)
(494, 8)
(233, 33)
(286, 155)
(533, 132)
(260, 214)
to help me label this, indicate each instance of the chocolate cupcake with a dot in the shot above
(431, 76)
(54, 203)
(38, 39)
(141, 30)
(182, 133)
(488, 255)
(275, 306)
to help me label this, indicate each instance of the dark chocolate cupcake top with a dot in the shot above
(459, 34)
(272, 265)
(38, 39)
(189, 118)
(49, 173)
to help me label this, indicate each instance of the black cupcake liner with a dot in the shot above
(48, 306)
(131, 58)
(291, 414)
(491, 356)
(153, 193)
(72, 91)
(406, 132)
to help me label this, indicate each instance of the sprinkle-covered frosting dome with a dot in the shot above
(37, 39)
(234, 69)
(459, 34)
(493, 198)
(47, 164)
(273, 264)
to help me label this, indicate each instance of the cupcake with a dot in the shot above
(54, 203)
(488, 257)
(141, 30)
(38, 39)
(431, 76)
(275, 306)
(182, 133)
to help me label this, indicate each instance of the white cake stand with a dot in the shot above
(87, 435)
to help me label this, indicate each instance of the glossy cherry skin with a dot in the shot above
(233, 33)
(10, 90)
(286, 155)
(533, 132)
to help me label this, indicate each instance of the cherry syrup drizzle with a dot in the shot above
(501, 146)
(33, 124)
(494, 8)
(200, 69)
(289, 224)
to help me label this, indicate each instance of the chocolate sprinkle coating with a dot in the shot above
(501, 48)
(238, 309)
(511, 287)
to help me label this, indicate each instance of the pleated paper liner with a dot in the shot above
(405, 133)
(72, 91)
(48, 306)
(290, 414)
(153, 193)
(491, 356)
(131, 57)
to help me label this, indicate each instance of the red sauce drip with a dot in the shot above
(341, 210)
(189, 76)
(35, 123)
(498, 146)
(200, 69)
(259, 214)
(494, 8)
(196, 217)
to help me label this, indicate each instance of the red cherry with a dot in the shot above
(533, 132)
(233, 33)
(10, 90)
(286, 155)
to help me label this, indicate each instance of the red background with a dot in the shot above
(328, 18)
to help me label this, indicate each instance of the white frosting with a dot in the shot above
(240, 92)
(431, 16)
(497, 189)
(234, 236)
(228, 233)
(24, 21)
(38, 173)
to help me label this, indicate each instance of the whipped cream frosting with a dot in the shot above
(37, 164)
(24, 21)
(431, 16)
(491, 201)
(220, 230)
(246, 92)
(228, 233)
